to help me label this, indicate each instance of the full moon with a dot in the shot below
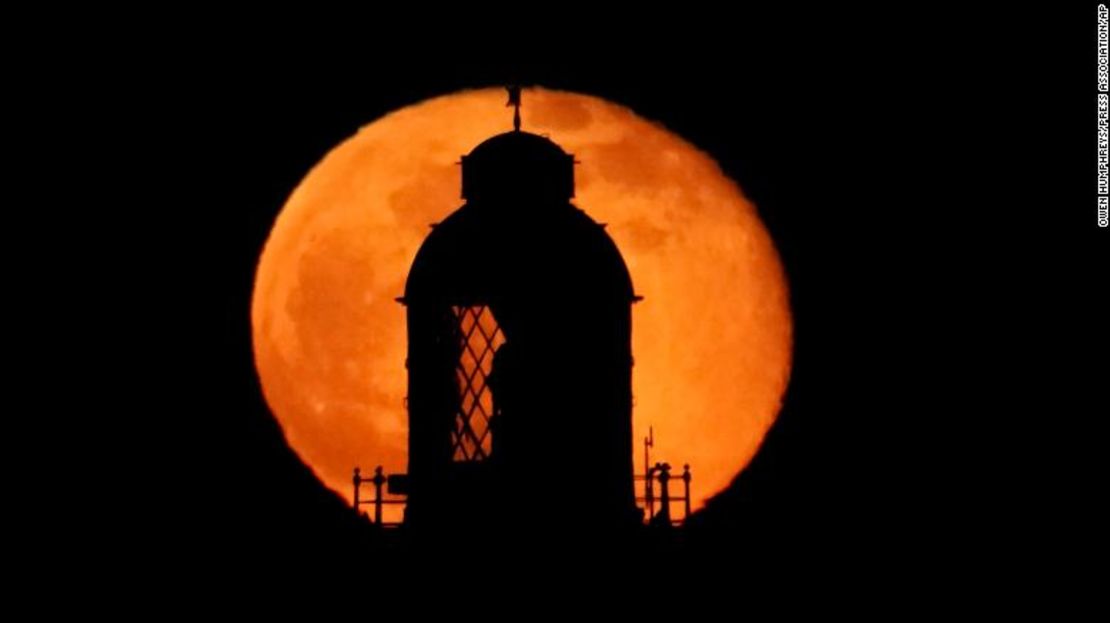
(712, 338)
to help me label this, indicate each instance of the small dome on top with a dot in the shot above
(517, 142)
(517, 165)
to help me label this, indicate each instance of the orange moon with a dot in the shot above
(712, 338)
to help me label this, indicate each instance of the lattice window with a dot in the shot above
(480, 337)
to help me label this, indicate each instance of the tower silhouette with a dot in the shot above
(519, 354)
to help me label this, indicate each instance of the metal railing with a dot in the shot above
(378, 479)
(661, 473)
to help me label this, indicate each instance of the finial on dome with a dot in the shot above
(514, 100)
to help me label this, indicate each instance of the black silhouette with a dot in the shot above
(519, 354)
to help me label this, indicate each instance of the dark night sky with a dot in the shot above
(871, 152)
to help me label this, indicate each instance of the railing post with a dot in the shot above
(358, 481)
(649, 493)
(664, 492)
(686, 480)
(379, 480)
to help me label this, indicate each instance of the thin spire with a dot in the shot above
(514, 100)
